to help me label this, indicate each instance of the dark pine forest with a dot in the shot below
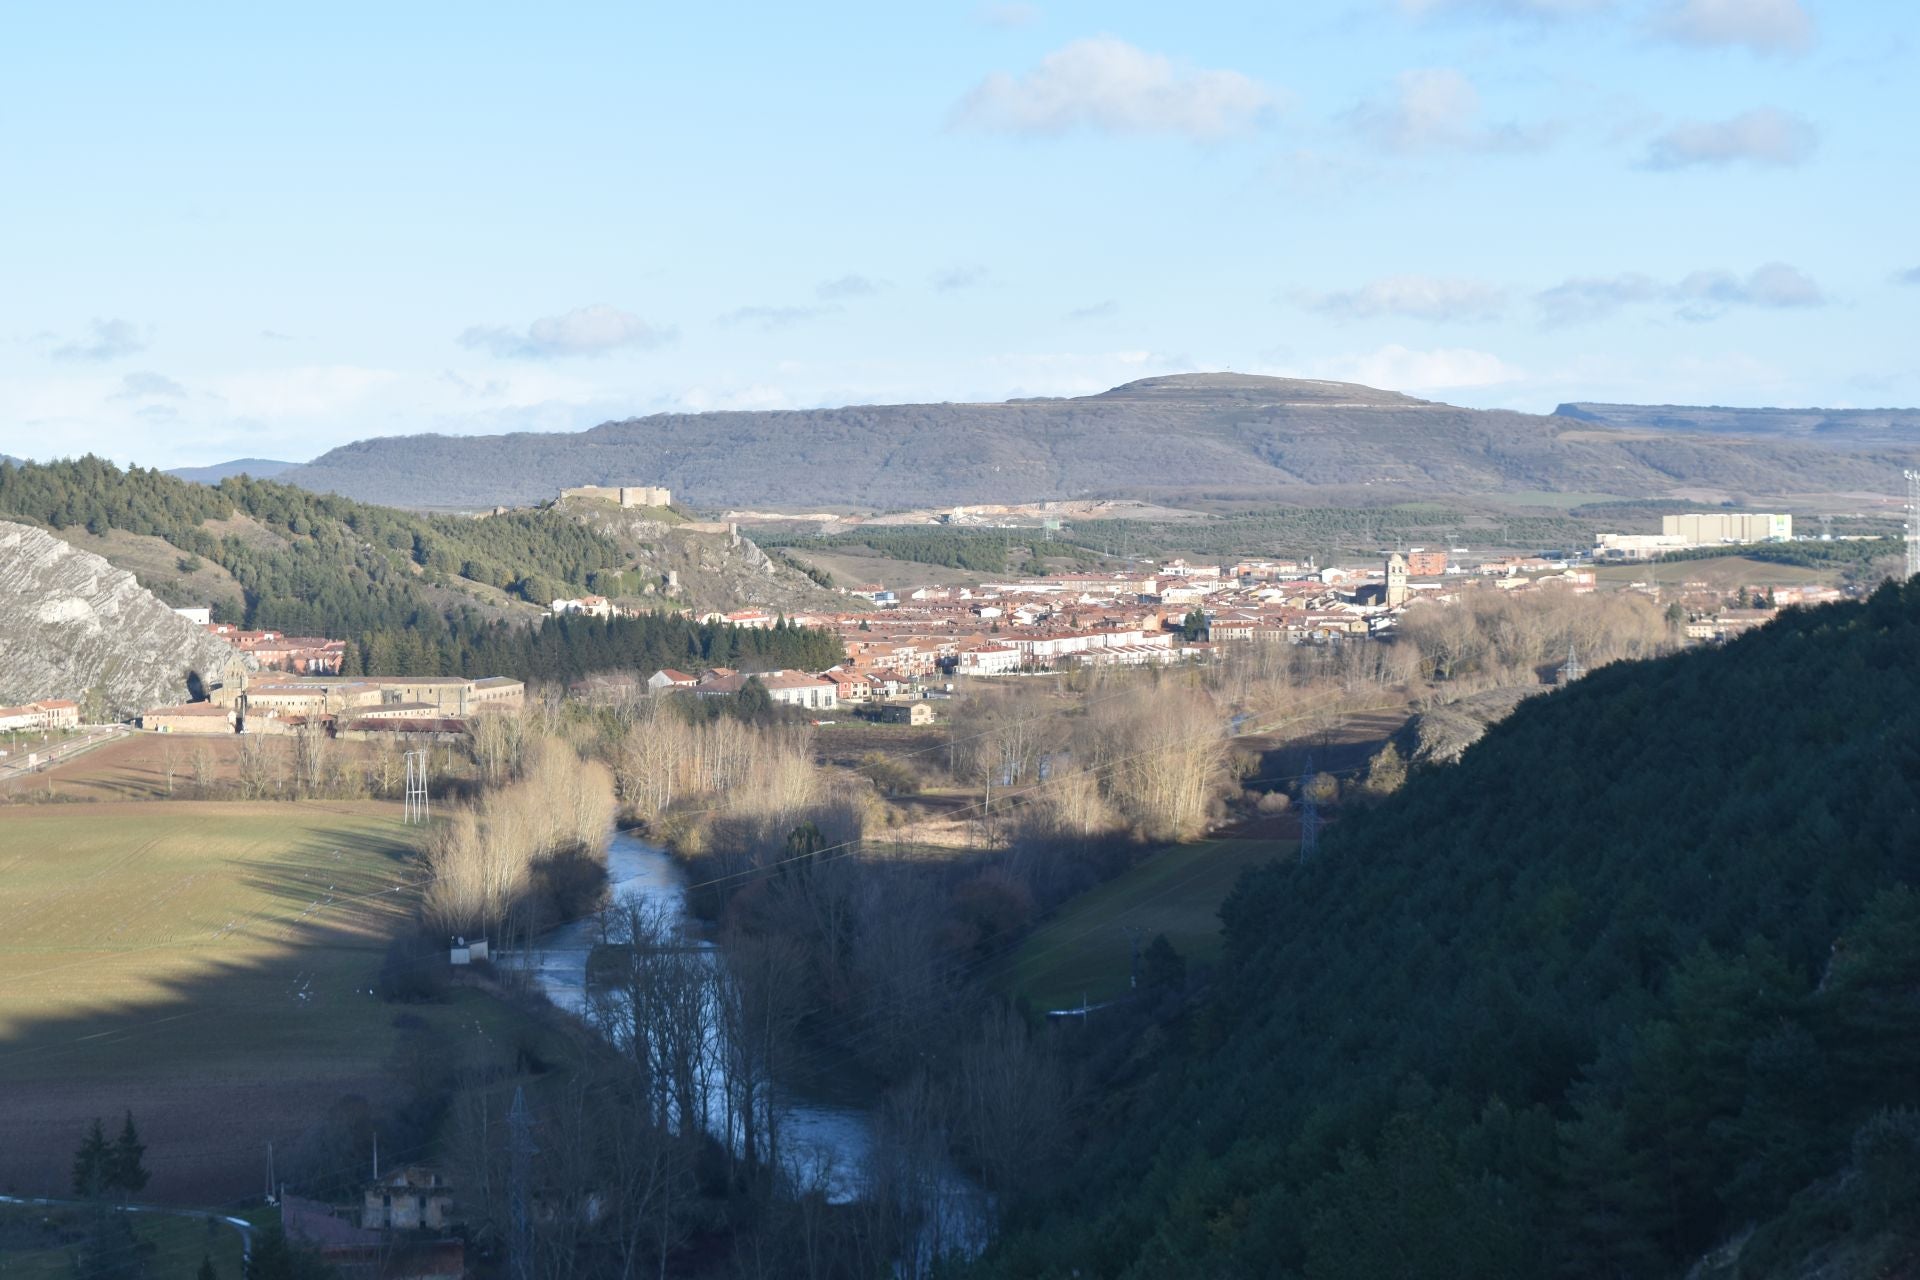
(1634, 985)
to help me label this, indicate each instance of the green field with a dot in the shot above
(38, 1243)
(1721, 573)
(207, 965)
(1085, 950)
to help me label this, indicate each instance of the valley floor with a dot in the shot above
(207, 966)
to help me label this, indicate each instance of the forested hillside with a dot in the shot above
(1636, 979)
(417, 595)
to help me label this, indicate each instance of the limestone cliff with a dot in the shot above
(70, 623)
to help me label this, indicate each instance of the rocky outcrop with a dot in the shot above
(71, 623)
(1439, 735)
(710, 566)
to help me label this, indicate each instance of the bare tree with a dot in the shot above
(310, 752)
(1010, 1105)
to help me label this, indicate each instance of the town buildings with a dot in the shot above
(54, 713)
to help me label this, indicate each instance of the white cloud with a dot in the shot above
(1583, 298)
(1910, 276)
(961, 277)
(139, 386)
(1700, 295)
(850, 285)
(1397, 368)
(584, 331)
(1764, 135)
(1434, 298)
(1106, 84)
(1094, 311)
(1705, 294)
(1764, 26)
(110, 340)
(1437, 109)
(768, 319)
(1007, 15)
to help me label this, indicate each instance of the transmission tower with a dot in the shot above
(1309, 816)
(519, 1223)
(416, 810)
(1574, 668)
(1913, 522)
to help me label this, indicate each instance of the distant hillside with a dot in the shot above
(72, 625)
(1626, 983)
(416, 594)
(1833, 428)
(258, 468)
(1221, 435)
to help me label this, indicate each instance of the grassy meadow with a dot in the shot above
(1086, 949)
(208, 965)
(37, 1242)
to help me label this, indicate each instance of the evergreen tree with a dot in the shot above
(127, 1171)
(92, 1162)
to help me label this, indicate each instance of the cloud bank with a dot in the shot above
(1762, 136)
(1106, 85)
(585, 331)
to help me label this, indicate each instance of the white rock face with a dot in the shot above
(71, 622)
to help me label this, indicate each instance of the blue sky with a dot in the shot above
(257, 231)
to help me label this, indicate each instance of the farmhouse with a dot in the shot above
(915, 712)
(590, 606)
(409, 1199)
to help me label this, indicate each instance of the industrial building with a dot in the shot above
(1711, 528)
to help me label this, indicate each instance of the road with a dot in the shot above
(15, 764)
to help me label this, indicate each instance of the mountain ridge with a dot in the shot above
(1238, 436)
(215, 472)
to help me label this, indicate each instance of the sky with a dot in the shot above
(266, 230)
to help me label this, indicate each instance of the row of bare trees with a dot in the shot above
(482, 861)
(1498, 637)
(1143, 754)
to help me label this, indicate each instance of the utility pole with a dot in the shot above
(519, 1224)
(1134, 933)
(1913, 522)
(1309, 816)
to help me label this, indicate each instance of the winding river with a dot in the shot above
(815, 1134)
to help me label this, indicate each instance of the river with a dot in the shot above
(815, 1134)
